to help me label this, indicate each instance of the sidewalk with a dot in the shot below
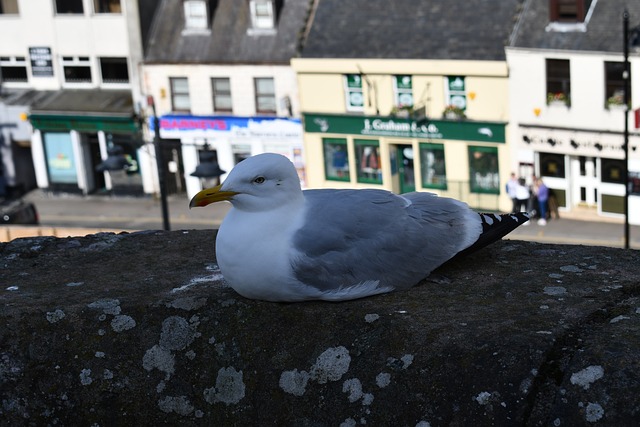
(66, 215)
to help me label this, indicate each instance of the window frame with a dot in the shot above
(177, 94)
(260, 97)
(474, 186)
(195, 22)
(441, 183)
(260, 20)
(76, 62)
(361, 146)
(614, 84)
(13, 6)
(15, 63)
(403, 90)
(107, 7)
(111, 81)
(352, 90)
(575, 11)
(216, 94)
(336, 169)
(75, 6)
(558, 80)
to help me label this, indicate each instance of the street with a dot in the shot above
(145, 213)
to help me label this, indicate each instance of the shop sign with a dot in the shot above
(178, 126)
(404, 128)
(41, 61)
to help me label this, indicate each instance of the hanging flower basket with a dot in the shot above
(453, 112)
(558, 98)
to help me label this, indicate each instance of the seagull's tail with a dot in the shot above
(494, 228)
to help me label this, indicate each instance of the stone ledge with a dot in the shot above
(138, 329)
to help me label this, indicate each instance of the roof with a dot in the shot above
(603, 29)
(410, 29)
(228, 40)
(116, 103)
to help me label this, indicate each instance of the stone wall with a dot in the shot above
(139, 329)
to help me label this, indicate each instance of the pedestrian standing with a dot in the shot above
(543, 198)
(511, 188)
(522, 196)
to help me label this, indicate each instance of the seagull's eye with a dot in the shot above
(258, 180)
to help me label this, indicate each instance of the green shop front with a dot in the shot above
(73, 131)
(464, 159)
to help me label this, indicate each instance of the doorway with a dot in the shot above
(585, 181)
(405, 167)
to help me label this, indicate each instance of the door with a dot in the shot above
(585, 181)
(406, 170)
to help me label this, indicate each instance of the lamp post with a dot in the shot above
(157, 145)
(626, 77)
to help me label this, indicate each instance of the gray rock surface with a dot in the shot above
(139, 329)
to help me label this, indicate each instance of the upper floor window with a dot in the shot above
(403, 91)
(195, 15)
(265, 95)
(221, 88)
(558, 81)
(8, 7)
(114, 70)
(180, 100)
(77, 69)
(614, 83)
(69, 6)
(13, 69)
(568, 10)
(455, 95)
(262, 14)
(107, 6)
(353, 92)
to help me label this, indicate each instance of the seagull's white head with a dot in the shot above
(259, 183)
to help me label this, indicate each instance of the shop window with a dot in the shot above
(568, 10)
(368, 161)
(221, 88)
(434, 173)
(558, 81)
(69, 7)
(180, 100)
(403, 91)
(484, 175)
(195, 15)
(353, 92)
(614, 83)
(265, 95)
(76, 69)
(552, 165)
(612, 171)
(13, 69)
(8, 7)
(114, 70)
(61, 163)
(107, 6)
(336, 159)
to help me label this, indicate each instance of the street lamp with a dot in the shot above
(628, 38)
(115, 161)
(160, 165)
(208, 167)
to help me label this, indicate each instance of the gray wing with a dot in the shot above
(354, 236)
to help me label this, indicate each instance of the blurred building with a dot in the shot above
(220, 75)
(567, 104)
(408, 95)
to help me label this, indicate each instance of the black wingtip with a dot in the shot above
(494, 228)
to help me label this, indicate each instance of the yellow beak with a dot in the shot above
(211, 195)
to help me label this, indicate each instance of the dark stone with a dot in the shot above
(138, 329)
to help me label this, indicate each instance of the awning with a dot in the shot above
(84, 111)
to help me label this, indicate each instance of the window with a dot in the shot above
(69, 6)
(368, 160)
(76, 69)
(568, 10)
(558, 81)
(180, 94)
(114, 70)
(221, 88)
(455, 93)
(403, 91)
(484, 176)
(262, 14)
(107, 6)
(13, 69)
(353, 92)
(336, 159)
(434, 173)
(614, 83)
(552, 165)
(612, 171)
(265, 95)
(195, 15)
(8, 7)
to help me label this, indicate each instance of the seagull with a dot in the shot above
(280, 243)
